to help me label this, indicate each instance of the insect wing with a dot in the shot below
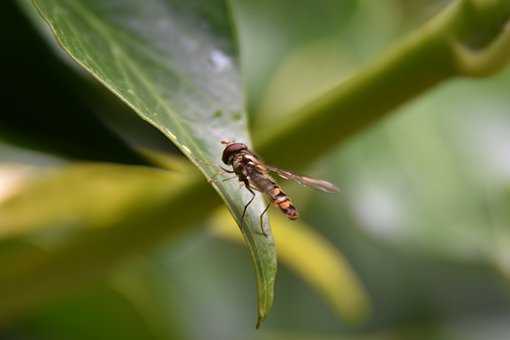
(307, 181)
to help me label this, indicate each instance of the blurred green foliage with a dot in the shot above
(422, 217)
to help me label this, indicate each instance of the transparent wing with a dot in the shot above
(308, 181)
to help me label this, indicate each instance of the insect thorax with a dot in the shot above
(241, 160)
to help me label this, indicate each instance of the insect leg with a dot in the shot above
(226, 170)
(228, 179)
(247, 204)
(261, 218)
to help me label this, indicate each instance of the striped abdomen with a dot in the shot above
(283, 202)
(266, 185)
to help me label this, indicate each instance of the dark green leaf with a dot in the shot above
(175, 64)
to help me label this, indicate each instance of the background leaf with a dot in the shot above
(174, 63)
(302, 250)
(102, 312)
(114, 213)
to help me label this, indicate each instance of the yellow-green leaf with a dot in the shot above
(85, 219)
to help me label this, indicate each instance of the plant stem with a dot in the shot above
(469, 38)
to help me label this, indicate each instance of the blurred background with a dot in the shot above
(422, 216)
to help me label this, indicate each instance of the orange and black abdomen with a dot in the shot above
(283, 202)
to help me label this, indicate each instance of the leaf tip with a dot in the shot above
(260, 318)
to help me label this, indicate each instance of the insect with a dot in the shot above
(254, 174)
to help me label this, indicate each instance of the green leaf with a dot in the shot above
(174, 63)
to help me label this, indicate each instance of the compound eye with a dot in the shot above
(227, 155)
(231, 150)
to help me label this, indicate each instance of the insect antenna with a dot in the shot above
(227, 141)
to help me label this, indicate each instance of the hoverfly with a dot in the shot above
(254, 174)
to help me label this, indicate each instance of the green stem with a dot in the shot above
(469, 38)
